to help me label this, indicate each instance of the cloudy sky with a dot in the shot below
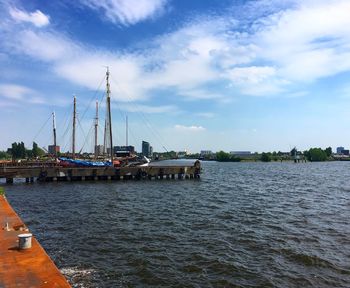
(196, 75)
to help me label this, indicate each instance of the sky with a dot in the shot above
(190, 75)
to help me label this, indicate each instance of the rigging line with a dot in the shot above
(67, 125)
(92, 98)
(161, 141)
(86, 139)
(155, 133)
(65, 117)
(81, 128)
(67, 142)
(42, 127)
(130, 130)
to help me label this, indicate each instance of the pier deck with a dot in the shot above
(23, 268)
(58, 173)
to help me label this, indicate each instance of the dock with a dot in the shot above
(25, 268)
(154, 170)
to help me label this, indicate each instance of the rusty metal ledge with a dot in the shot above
(23, 268)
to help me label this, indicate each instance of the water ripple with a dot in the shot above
(241, 225)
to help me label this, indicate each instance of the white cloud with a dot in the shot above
(45, 46)
(18, 93)
(192, 128)
(308, 42)
(14, 92)
(127, 12)
(250, 75)
(208, 58)
(37, 18)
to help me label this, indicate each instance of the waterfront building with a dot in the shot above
(129, 148)
(146, 149)
(99, 150)
(53, 150)
(340, 149)
(123, 151)
(181, 154)
(345, 152)
(206, 153)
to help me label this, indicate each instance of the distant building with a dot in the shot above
(129, 148)
(206, 153)
(241, 153)
(53, 149)
(339, 149)
(99, 150)
(345, 152)
(146, 149)
(181, 154)
(123, 151)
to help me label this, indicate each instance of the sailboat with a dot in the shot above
(73, 162)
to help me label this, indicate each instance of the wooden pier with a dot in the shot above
(30, 267)
(47, 173)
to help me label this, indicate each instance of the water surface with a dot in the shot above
(241, 225)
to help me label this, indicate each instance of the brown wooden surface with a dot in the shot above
(23, 268)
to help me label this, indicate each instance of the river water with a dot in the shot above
(240, 225)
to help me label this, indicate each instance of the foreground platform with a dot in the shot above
(23, 268)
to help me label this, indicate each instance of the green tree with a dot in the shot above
(317, 154)
(4, 155)
(17, 150)
(328, 151)
(37, 151)
(222, 156)
(265, 157)
(293, 152)
(22, 150)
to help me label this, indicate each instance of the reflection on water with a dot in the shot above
(242, 224)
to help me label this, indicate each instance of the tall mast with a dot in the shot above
(105, 138)
(74, 122)
(109, 118)
(126, 136)
(54, 132)
(96, 128)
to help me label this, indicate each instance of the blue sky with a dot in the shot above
(196, 75)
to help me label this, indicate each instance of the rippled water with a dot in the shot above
(241, 225)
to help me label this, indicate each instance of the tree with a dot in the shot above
(328, 151)
(222, 156)
(5, 155)
(22, 150)
(36, 151)
(17, 150)
(226, 157)
(265, 157)
(316, 154)
(293, 152)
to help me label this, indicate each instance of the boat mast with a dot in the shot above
(109, 116)
(126, 136)
(54, 132)
(74, 122)
(96, 128)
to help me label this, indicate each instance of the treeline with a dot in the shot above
(226, 157)
(312, 155)
(19, 151)
(318, 154)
